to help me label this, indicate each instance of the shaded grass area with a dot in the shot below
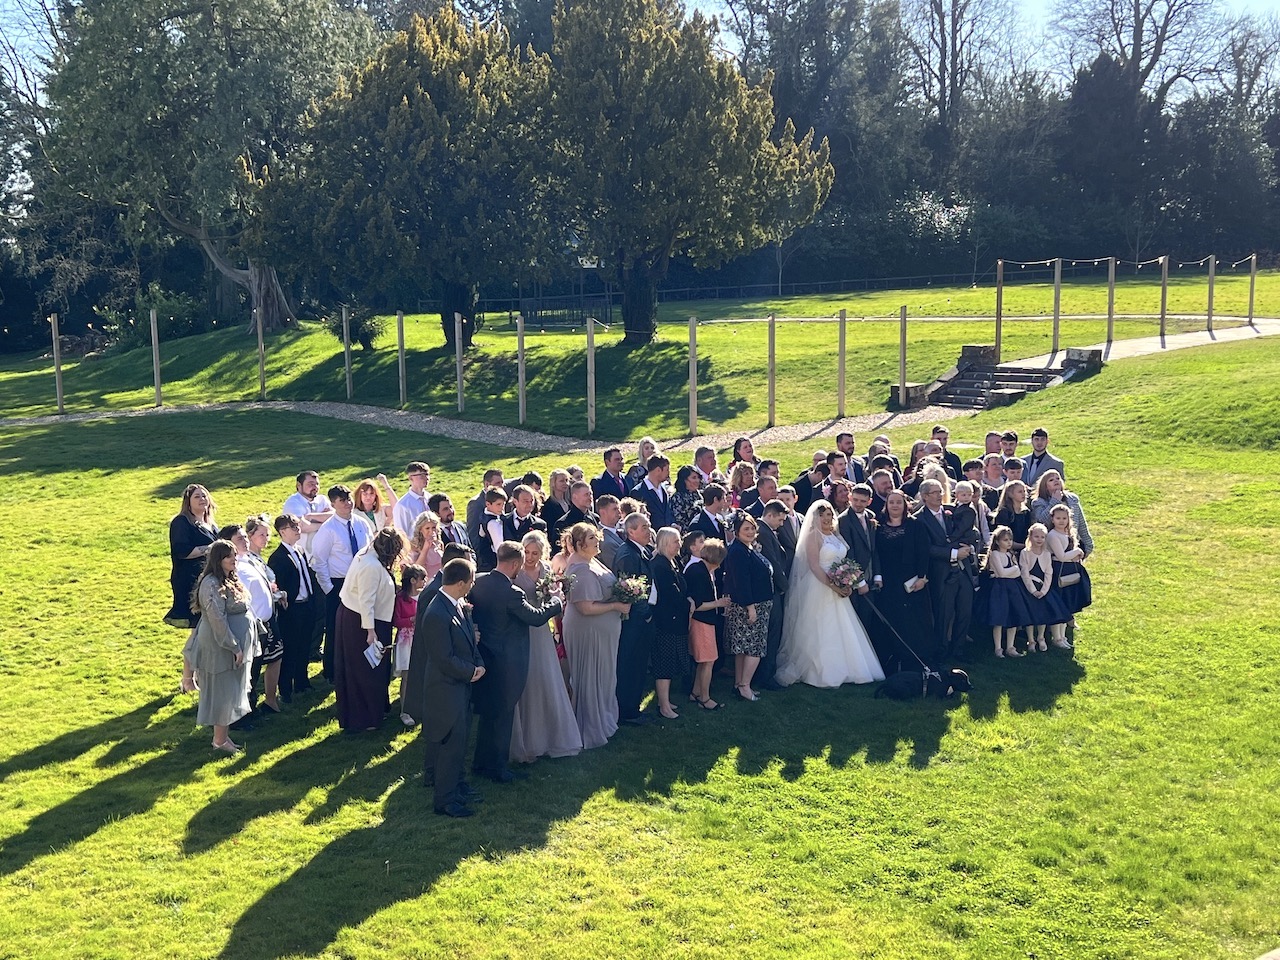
(640, 390)
(1121, 804)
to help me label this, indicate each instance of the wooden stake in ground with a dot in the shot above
(591, 375)
(999, 308)
(346, 347)
(404, 377)
(693, 376)
(1111, 299)
(840, 350)
(155, 355)
(57, 360)
(520, 364)
(262, 356)
(457, 358)
(1057, 301)
(1164, 292)
(1253, 283)
(1213, 270)
(902, 356)
(773, 369)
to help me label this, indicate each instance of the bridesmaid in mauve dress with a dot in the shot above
(592, 623)
(544, 722)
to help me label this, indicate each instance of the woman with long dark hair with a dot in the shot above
(363, 623)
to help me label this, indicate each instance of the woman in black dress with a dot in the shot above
(670, 618)
(191, 533)
(902, 550)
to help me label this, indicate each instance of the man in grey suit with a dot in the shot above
(503, 617)
(1039, 461)
(445, 662)
(610, 540)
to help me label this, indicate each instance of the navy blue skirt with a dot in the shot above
(1006, 604)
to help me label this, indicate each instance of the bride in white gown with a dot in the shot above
(823, 642)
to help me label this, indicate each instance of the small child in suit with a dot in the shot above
(964, 518)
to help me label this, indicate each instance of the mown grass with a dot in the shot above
(1121, 804)
(639, 390)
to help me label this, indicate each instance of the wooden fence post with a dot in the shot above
(346, 347)
(773, 369)
(57, 360)
(457, 358)
(262, 356)
(999, 309)
(902, 356)
(840, 369)
(404, 377)
(693, 376)
(1213, 269)
(155, 355)
(1253, 283)
(1111, 299)
(1057, 301)
(591, 375)
(1164, 293)
(520, 372)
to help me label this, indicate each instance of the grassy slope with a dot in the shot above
(1125, 804)
(639, 391)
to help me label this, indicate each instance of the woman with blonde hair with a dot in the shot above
(1070, 578)
(425, 547)
(221, 648)
(741, 477)
(640, 469)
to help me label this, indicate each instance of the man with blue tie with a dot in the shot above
(611, 481)
(333, 548)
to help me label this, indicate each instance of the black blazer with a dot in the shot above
(515, 530)
(442, 661)
(803, 487)
(941, 543)
(671, 615)
(697, 580)
(747, 577)
(951, 462)
(503, 616)
(862, 545)
(574, 515)
(606, 484)
(747, 497)
(660, 514)
(776, 554)
(633, 560)
(288, 578)
(710, 526)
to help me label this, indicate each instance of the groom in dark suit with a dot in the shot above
(503, 617)
(859, 530)
(443, 665)
(950, 589)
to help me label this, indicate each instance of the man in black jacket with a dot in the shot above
(772, 516)
(636, 640)
(503, 617)
(303, 605)
(950, 589)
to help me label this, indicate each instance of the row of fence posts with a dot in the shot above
(1111, 298)
(693, 345)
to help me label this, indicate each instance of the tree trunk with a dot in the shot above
(457, 298)
(639, 302)
(267, 297)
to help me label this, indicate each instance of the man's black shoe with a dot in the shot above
(454, 809)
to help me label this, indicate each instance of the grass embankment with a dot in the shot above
(639, 391)
(1122, 804)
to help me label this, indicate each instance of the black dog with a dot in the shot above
(909, 685)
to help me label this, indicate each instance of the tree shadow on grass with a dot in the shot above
(369, 869)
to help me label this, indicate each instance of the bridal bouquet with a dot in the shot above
(845, 575)
(548, 583)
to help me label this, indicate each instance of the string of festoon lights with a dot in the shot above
(1138, 264)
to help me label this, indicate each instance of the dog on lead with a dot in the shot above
(915, 684)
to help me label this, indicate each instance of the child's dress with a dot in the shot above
(1006, 596)
(406, 611)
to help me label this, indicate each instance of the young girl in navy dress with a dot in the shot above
(1006, 606)
(412, 579)
(1070, 578)
(1044, 606)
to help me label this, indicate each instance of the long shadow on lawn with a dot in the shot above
(369, 869)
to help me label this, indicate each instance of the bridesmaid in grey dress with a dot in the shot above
(592, 623)
(544, 723)
(222, 645)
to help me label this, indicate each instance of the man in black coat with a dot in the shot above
(444, 663)
(655, 493)
(522, 520)
(580, 501)
(612, 480)
(772, 517)
(766, 489)
(715, 499)
(636, 640)
(304, 604)
(858, 529)
(503, 617)
(950, 589)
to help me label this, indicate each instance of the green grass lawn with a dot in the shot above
(639, 390)
(1121, 804)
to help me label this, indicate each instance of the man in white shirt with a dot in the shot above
(414, 501)
(333, 548)
(704, 461)
(309, 505)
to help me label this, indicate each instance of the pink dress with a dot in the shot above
(402, 618)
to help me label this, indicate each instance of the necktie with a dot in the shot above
(304, 582)
(351, 538)
(862, 519)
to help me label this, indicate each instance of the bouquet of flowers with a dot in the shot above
(547, 585)
(630, 590)
(845, 575)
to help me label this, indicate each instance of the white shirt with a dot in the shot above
(493, 525)
(296, 557)
(331, 548)
(407, 510)
(300, 506)
(255, 581)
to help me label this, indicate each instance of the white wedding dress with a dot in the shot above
(823, 642)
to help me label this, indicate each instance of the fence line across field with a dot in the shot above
(841, 319)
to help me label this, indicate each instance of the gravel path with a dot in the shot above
(512, 437)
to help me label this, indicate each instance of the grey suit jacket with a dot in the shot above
(1030, 474)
